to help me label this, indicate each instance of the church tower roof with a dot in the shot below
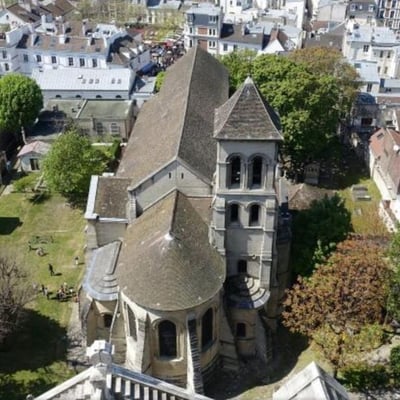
(247, 116)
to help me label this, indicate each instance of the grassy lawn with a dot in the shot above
(34, 359)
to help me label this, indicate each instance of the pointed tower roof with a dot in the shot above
(247, 116)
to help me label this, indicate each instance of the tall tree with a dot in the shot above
(329, 61)
(15, 292)
(316, 232)
(341, 298)
(239, 64)
(70, 163)
(309, 103)
(20, 102)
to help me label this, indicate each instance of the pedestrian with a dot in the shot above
(76, 260)
(51, 270)
(43, 289)
(46, 293)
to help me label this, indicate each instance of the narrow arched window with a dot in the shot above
(233, 213)
(240, 330)
(242, 267)
(256, 172)
(167, 339)
(131, 324)
(254, 218)
(235, 171)
(207, 328)
(107, 320)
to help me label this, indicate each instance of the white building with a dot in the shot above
(379, 46)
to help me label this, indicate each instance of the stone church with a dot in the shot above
(189, 240)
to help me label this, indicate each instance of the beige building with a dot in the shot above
(189, 241)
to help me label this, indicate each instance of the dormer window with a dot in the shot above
(213, 19)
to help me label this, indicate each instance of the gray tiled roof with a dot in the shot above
(111, 197)
(247, 116)
(166, 262)
(178, 121)
(100, 281)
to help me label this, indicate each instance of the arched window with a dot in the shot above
(58, 96)
(254, 218)
(98, 96)
(240, 330)
(235, 171)
(107, 320)
(207, 328)
(233, 213)
(167, 339)
(118, 96)
(256, 172)
(242, 267)
(78, 96)
(131, 324)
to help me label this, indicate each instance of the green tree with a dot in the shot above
(70, 164)
(329, 61)
(20, 102)
(239, 64)
(316, 232)
(341, 298)
(310, 103)
(159, 81)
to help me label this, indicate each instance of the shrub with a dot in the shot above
(395, 362)
(361, 377)
(26, 183)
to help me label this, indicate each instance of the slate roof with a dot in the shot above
(100, 281)
(178, 121)
(239, 34)
(247, 116)
(166, 262)
(111, 197)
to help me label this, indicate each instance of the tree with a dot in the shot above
(316, 232)
(70, 163)
(310, 103)
(329, 61)
(239, 64)
(20, 102)
(341, 298)
(393, 304)
(15, 292)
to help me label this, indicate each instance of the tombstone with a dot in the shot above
(311, 173)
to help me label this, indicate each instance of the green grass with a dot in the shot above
(33, 359)
(364, 214)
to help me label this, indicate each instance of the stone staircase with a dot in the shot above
(194, 359)
(245, 292)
